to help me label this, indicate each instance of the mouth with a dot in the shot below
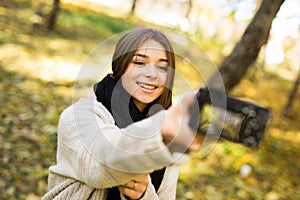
(148, 86)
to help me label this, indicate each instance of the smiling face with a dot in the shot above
(146, 75)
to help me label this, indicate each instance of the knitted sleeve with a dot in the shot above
(95, 151)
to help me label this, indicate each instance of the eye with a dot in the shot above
(162, 68)
(138, 63)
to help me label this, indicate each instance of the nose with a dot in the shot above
(150, 71)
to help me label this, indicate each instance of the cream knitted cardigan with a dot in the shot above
(93, 154)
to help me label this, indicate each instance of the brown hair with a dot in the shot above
(126, 48)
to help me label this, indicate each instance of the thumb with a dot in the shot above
(187, 101)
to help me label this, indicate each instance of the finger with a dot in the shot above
(189, 111)
(130, 184)
(185, 141)
(132, 194)
(189, 97)
(195, 146)
(140, 187)
(187, 100)
(142, 178)
(136, 186)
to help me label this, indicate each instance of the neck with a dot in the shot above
(141, 106)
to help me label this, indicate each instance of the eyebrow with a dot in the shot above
(145, 56)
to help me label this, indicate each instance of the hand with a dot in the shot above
(135, 188)
(177, 134)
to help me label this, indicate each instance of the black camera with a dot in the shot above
(229, 118)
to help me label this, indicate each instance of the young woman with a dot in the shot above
(123, 142)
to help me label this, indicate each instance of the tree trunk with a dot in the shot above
(51, 19)
(245, 52)
(292, 96)
(133, 6)
(189, 9)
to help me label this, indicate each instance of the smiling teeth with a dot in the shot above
(149, 87)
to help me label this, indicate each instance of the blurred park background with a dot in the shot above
(40, 62)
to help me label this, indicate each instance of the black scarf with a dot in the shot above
(119, 103)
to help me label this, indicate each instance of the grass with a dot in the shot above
(30, 109)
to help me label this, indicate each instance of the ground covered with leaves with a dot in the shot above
(30, 109)
(29, 113)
